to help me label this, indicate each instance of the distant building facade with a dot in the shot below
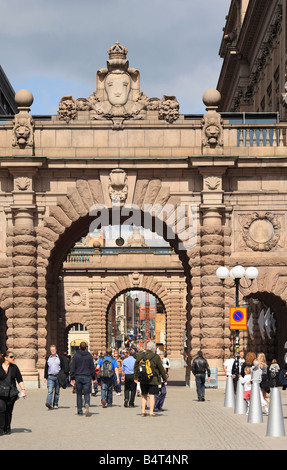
(7, 102)
(254, 50)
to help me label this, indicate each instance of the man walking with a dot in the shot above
(54, 364)
(128, 378)
(198, 368)
(82, 373)
(108, 368)
(149, 386)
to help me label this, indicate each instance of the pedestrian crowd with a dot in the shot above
(140, 372)
(253, 369)
(111, 371)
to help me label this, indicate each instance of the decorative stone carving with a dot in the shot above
(118, 188)
(212, 182)
(168, 109)
(136, 279)
(76, 297)
(23, 130)
(67, 109)
(136, 239)
(118, 96)
(261, 232)
(212, 131)
(23, 183)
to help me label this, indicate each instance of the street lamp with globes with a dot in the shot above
(236, 274)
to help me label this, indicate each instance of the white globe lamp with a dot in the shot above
(251, 273)
(222, 272)
(231, 275)
(238, 271)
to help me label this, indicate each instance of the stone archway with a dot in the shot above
(99, 290)
(133, 318)
(35, 256)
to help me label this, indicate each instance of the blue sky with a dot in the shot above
(54, 48)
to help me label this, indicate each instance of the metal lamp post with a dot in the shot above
(236, 274)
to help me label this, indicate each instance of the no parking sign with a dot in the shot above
(238, 318)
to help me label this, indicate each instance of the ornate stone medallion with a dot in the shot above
(261, 232)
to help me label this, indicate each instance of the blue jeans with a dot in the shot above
(83, 387)
(159, 399)
(117, 385)
(107, 386)
(53, 385)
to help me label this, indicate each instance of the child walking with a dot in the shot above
(246, 382)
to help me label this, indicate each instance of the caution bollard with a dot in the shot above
(275, 423)
(255, 408)
(240, 403)
(229, 400)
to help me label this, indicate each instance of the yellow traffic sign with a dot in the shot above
(238, 318)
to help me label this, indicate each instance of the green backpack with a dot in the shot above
(107, 369)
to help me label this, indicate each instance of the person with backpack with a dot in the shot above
(148, 370)
(108, 368)
(274, 370)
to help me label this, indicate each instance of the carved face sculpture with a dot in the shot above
(22, 133)
(117, 87)
(212, 133)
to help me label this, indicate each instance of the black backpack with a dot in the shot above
(107, 369)
(145, 371)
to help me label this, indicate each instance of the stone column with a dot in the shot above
(25, 294)
(175, 326)
(212, 293)
(97, 330)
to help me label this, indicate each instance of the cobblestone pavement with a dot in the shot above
(185, 424)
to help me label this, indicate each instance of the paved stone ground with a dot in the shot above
(184, 425)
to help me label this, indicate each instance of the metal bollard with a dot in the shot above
(240, 403)
(255, 408)
(275, 424)
(229, 400)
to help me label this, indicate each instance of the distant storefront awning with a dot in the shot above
(77, 342)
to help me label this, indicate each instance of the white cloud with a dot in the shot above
(55, 48)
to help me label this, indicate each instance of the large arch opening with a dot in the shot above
(267, 326)
(136, 316)
(177, 280)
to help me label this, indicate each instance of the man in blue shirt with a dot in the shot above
(107, 382)
(128, 378)
(53, 365)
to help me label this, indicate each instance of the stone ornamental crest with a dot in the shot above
(118, 188)
(76, 297)
(261, 232)
(118, 96)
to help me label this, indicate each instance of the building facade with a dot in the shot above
(254, 53)
(215, 190)
(7, 101)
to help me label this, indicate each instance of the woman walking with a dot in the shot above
(9, 374)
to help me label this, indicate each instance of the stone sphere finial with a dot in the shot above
(24, 98)
(97, 245)
(211, 98)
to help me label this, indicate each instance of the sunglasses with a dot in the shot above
(11, 357)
